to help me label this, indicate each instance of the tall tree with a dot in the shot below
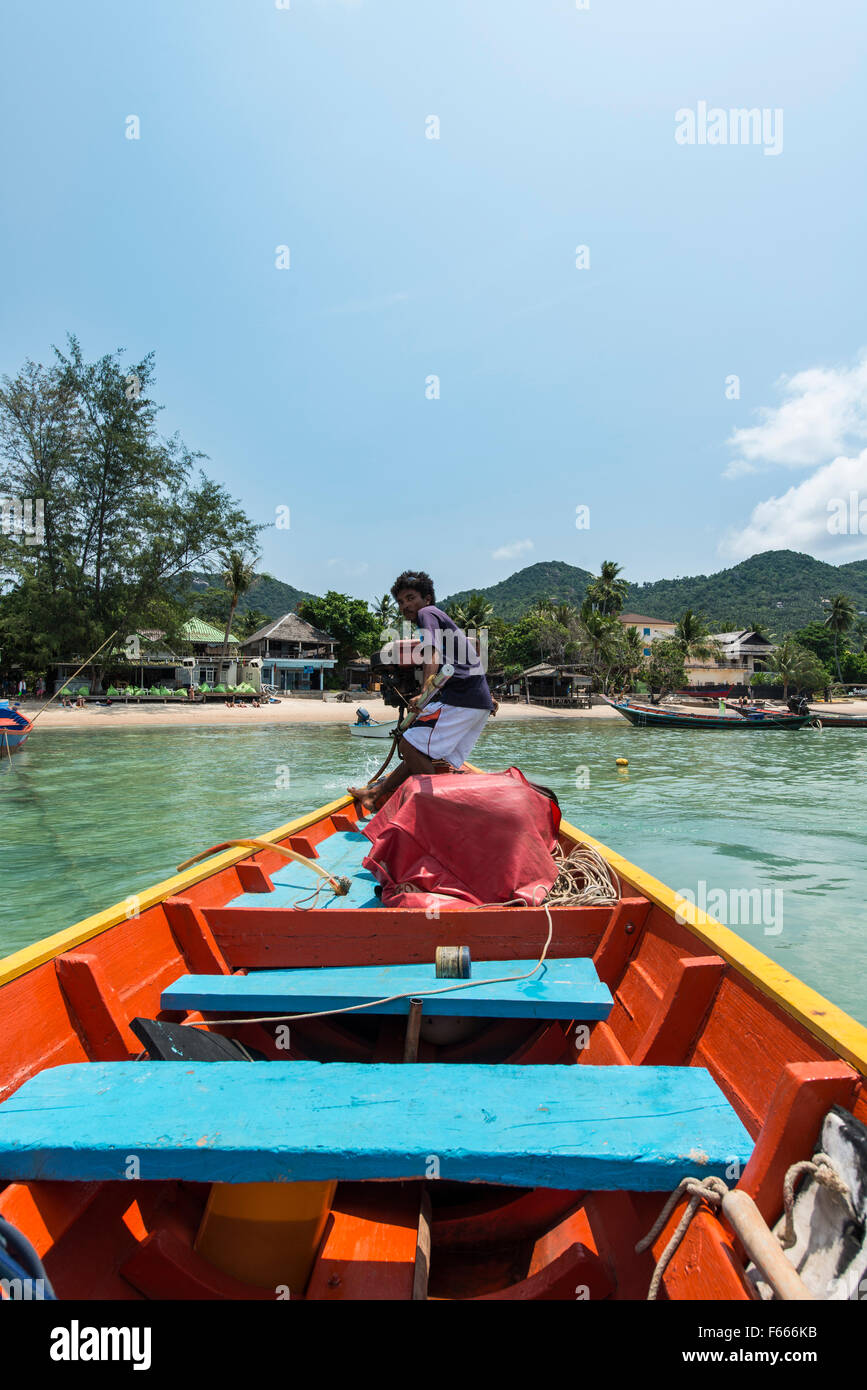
(840, 618)
(598, 638)
(665, 668)
(694, 638)
(348, 620)
(124, 516)
(607, 593)
(474, 612)
(385, 611)
(238, 571)
(795, 665)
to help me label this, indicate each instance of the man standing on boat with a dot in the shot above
(447, 728)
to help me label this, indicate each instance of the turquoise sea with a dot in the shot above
(87, 818)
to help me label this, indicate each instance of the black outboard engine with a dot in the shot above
(399, 666)
(798, 704)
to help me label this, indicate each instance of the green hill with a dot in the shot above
(270, 595)
(552, 579)
(780, 589)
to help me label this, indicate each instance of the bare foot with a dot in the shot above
(365, 796)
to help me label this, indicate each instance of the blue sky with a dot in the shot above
(410, 257)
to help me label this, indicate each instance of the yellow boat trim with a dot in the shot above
(838, 1030)
(31, 956)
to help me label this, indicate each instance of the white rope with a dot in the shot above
(584, 879)
(823, 1171)
(711, 1190)
(389, 999)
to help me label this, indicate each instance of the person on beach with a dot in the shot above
(447, 728)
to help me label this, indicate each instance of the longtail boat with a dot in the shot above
(188, 1111)
(830, 719)
(15, 728)
(655, 717)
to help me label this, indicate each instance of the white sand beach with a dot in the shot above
(288, 711)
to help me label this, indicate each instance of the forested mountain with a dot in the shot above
(781, 590)
(513, 597)
(270, 596)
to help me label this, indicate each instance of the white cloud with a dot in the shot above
(511, 552)
(824, 516)
(352, 570)
(823, 415)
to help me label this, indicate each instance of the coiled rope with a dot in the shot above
(712, 1190)
(584, 879)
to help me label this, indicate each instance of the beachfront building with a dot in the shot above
(293, 655)
(147, 660)
(741, 653)
(548, 683)
(649, 629)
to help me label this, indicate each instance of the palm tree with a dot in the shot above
(385, 611)
(694, 638)
(542, 608)
(840, 619)
(475, 612)
(565, 614)
(607, 593)
(598, 640)
(631, 652)
(796, 665)
(238, 572)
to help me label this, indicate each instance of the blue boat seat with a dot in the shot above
(573, 1127)
(564, 989)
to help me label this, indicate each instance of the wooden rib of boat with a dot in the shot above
(163, 1189)
(654, 717)
(15, 728)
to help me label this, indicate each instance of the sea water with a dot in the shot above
(767, 829)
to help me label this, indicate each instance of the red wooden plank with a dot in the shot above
(804, 1095)
(684, 1005)
(280, 938)
(369, 1249)
(303, 844)
(96, 1008)
(253, 878)
(622, 934)
(347, 824)
(165, 1267)
(195, 938)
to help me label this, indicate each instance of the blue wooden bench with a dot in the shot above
(573, 1127)
(564, 989)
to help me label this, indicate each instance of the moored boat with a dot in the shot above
(15, 728)
(830, 719)
(372, 729)
(655, 717)
(651, 1044)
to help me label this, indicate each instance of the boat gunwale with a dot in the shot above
(824, 1020)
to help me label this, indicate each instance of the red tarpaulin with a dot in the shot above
(468, 839)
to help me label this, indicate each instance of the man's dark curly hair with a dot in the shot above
(414, 579)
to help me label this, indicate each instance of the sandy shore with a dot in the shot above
(286, 712)
(178, 716)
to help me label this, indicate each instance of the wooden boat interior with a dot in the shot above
(410, 1197)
